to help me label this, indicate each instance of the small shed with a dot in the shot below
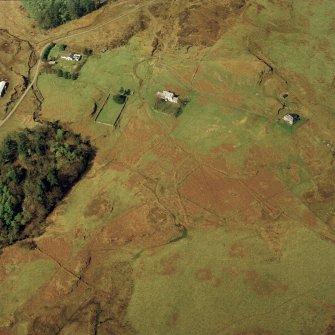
(3, 87)
(291, 118)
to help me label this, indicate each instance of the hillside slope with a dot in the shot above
(219, 221)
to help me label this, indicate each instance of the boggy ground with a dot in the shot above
(218, 222)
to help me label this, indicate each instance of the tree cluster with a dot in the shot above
(52, 13)
(62, 47)
(122, 96)
(67, 74)
(47, 50)
(37, 168)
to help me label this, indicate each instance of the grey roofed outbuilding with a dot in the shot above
(291, 118)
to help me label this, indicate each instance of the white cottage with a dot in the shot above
(168, 96)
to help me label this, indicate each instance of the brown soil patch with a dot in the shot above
(214, 192)
(99, 296)
(160, 10)
(237, 250)
(252, 216)
(203, 101)
(274, 233)
(220, 163)
(202, 24)
(119, 37)
(200, 216)
(257, 331)
(263, 286)
(265, 184)
(205, 86)
(12, 255)
(157, 216)
(168, 153)
(203, 275)
(289, 204)
(309, 218)
(232, 99)
(217, 282)
(227, 147)
(99, 206)
(264, 154)
(128, 147)
(169, 264)
(330, 330)
(173, 319)
(137, 227)
(57, 247)
(326, 184)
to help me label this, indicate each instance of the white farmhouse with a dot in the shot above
(71, 56)
(67, 57)
(3, 87)
(168, 96)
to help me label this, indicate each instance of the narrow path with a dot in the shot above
(62, 38)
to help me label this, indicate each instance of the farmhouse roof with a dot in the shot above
(66, 54)
(168, 96)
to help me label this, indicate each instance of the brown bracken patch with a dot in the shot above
(202, 24)
(169, 264)
(237, 250)
(98, 207)
(203, 274)
(263, 286)
(257, 331)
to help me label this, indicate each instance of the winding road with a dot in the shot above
(61, 38)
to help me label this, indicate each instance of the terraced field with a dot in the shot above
(220, 221)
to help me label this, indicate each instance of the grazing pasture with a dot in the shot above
(219, 221)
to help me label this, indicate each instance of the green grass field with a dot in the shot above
(251, 292)
(197, 286)
(100, 75)
(21, 284)
(110, 112)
